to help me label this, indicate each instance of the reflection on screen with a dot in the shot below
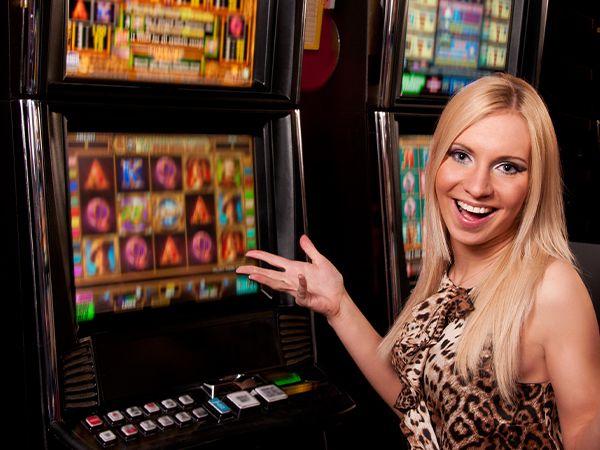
(450, 43)
(413, 152)
(159, 219)
(185, 41)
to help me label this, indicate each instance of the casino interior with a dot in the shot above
(149, 144)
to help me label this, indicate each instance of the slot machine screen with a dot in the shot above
(450, 43)
(187, 42)
(158, 219)
(413, 153)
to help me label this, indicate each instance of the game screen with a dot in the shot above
(413, 152)
(175, 41)
(159, 219)
(450, 43)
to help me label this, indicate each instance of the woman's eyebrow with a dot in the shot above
(499, 158)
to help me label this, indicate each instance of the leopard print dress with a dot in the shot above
(440, 411)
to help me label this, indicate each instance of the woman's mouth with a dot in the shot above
(473, 213)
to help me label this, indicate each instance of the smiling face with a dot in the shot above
(482, 182)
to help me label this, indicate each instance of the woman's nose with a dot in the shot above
(478, 183)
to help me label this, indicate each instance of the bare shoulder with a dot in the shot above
(561, 286)
(562, 299)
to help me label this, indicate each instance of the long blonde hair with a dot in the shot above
(505, 297)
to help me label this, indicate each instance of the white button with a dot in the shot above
(200, 413)
(271, 393)
(107, 436)
(183, 417)
(165, 421)
(133, 412)
(243, 400)
(115, 416)
(185, 400)
(169, 403)
(147, 426)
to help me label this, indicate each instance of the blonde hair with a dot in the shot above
(505, 297)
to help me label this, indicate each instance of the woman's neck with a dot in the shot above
(471, 264)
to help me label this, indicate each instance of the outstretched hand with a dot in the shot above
(317, 284)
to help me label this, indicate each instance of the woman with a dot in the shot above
(498, 344)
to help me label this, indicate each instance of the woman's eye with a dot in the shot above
(509, 168)
(459, 156)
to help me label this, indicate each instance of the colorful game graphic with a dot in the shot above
(200, 209)
(198, 173)
(232, 245)
(132, 174)
(189, 42)
(170, 250)
(168, 212)
(202, 248)
(450, 43)
(413, 153)
(228, 172)
(136, 253)
(158, 220)
(166, 173)
(101, 257)
(134, 213)
(230, 208)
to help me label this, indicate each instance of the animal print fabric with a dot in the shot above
(439, 411)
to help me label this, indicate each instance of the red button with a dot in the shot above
(93, 421)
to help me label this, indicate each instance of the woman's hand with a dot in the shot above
(316, 285)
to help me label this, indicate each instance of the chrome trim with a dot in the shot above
(516, 40)
(297, 130)
(389, 49)
(33, 158)
(298, 91)
(387, 138)
(30, 45)
(540, 42)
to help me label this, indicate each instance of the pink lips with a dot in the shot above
(471, 220)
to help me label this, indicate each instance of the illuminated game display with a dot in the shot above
(185, 41)
(451, 43)
(413, 155)
(159, 219)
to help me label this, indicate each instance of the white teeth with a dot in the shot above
(473, 209)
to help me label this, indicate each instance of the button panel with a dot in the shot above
(134, 423)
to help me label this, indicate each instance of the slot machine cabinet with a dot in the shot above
(147, 344)
(130, 304)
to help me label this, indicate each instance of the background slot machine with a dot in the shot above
(154, 143)
(209, 49)
(430, 49)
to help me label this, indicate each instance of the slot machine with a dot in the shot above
(430, 49)
(154, 143)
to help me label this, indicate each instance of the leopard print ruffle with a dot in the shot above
(439, 410)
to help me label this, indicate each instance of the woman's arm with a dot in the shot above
(570, 338)
(319, 286)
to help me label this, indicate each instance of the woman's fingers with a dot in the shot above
(278, 284)
(302, 289)
(274, 260)
(309, 248)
